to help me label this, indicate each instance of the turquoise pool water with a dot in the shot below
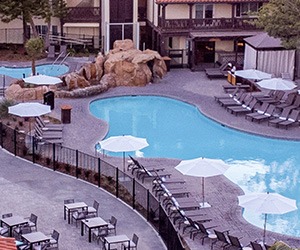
(47, 69)
(175, 129)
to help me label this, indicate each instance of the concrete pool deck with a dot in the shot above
(193, 87)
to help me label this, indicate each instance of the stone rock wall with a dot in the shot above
(122, 66)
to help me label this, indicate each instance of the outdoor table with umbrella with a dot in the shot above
(123, 143)
(277, 84)
(202, 167)
(29, 109)
(253, 74)
(267, 203)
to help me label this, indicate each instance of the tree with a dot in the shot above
(27, 9)
(34, 47)
(52, 8)
(281, 19)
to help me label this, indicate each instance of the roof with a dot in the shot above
(263, 41)
(209, 1)
(220, 34)
(8, 243)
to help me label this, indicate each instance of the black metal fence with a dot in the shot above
(95, 171)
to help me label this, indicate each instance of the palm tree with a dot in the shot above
(34, 47)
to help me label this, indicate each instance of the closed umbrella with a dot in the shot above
(29, 109)
(202, 167)
(123, 143)
(277, 84)
(267, 203)
(253, 74)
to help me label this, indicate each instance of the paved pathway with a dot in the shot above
(193, 87)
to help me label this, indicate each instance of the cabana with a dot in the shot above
(266, 53)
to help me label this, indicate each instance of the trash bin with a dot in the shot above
(167, 62)
(49, 99)
(66, 113)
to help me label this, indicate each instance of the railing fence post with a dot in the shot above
(148, 205)
(33, 149)
(77, 163)
(15, 142)
(117, 182)
(1, 134)
(53, 152)
(99, 172)
(133, 193)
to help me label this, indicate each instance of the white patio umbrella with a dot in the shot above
(29, 109)
(123, 143)
(267, 203)
(277, 84)
(42, 80)
(202, 167)
(253, 74)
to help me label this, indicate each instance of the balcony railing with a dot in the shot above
(83, 15)
(207, 23)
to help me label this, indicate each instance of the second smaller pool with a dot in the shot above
(47, 69)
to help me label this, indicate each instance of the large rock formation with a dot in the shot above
(122, 66)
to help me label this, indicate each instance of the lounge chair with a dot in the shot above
(222, 239)
(203, 231)
(228, 96)
(238, 100)
(296, 103)
(292, 119)
(260, 110)
(192, 224)
(288, 101)
(48, 126)
(262, 117)
(275, 98)
(256, 246)
(182, 203)
(160, 188)
(47, 134)
(223, 67)
(282, 117)
(240, 87)
(235, 242)
(244, 109)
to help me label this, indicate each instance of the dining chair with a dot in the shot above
(133, 243)
(93, 210)
(112, 226)
(32, 222)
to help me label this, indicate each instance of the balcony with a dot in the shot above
(207, 23)
(83, 15)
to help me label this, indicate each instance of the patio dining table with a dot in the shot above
(71, 207)
(12, 222)
(92, 223)
(117, 239)
(35, 238)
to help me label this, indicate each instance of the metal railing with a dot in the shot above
(96, 171)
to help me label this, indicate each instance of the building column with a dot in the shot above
(191, 15)
(193, 54)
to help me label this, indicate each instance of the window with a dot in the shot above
(54, 30)
(204, 11)
(170, 42)
(243, 9)
(41, 29)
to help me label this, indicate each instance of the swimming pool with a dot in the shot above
(46, 69)
(175, 129)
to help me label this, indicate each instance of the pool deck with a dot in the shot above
(192, 87)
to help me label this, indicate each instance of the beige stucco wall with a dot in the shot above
(222, 10)
(175, 11)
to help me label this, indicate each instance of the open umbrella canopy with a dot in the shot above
(123, 143)
(42, 80)
(29, 109)
(253, 74)
(202, 167)
(267, 203)
(277, 84)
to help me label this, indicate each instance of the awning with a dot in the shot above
(223, 34)
(81, 25)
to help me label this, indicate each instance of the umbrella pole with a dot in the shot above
(203, 191)
(265, 227)
(124, 162)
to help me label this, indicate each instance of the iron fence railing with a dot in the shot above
(96, 171)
